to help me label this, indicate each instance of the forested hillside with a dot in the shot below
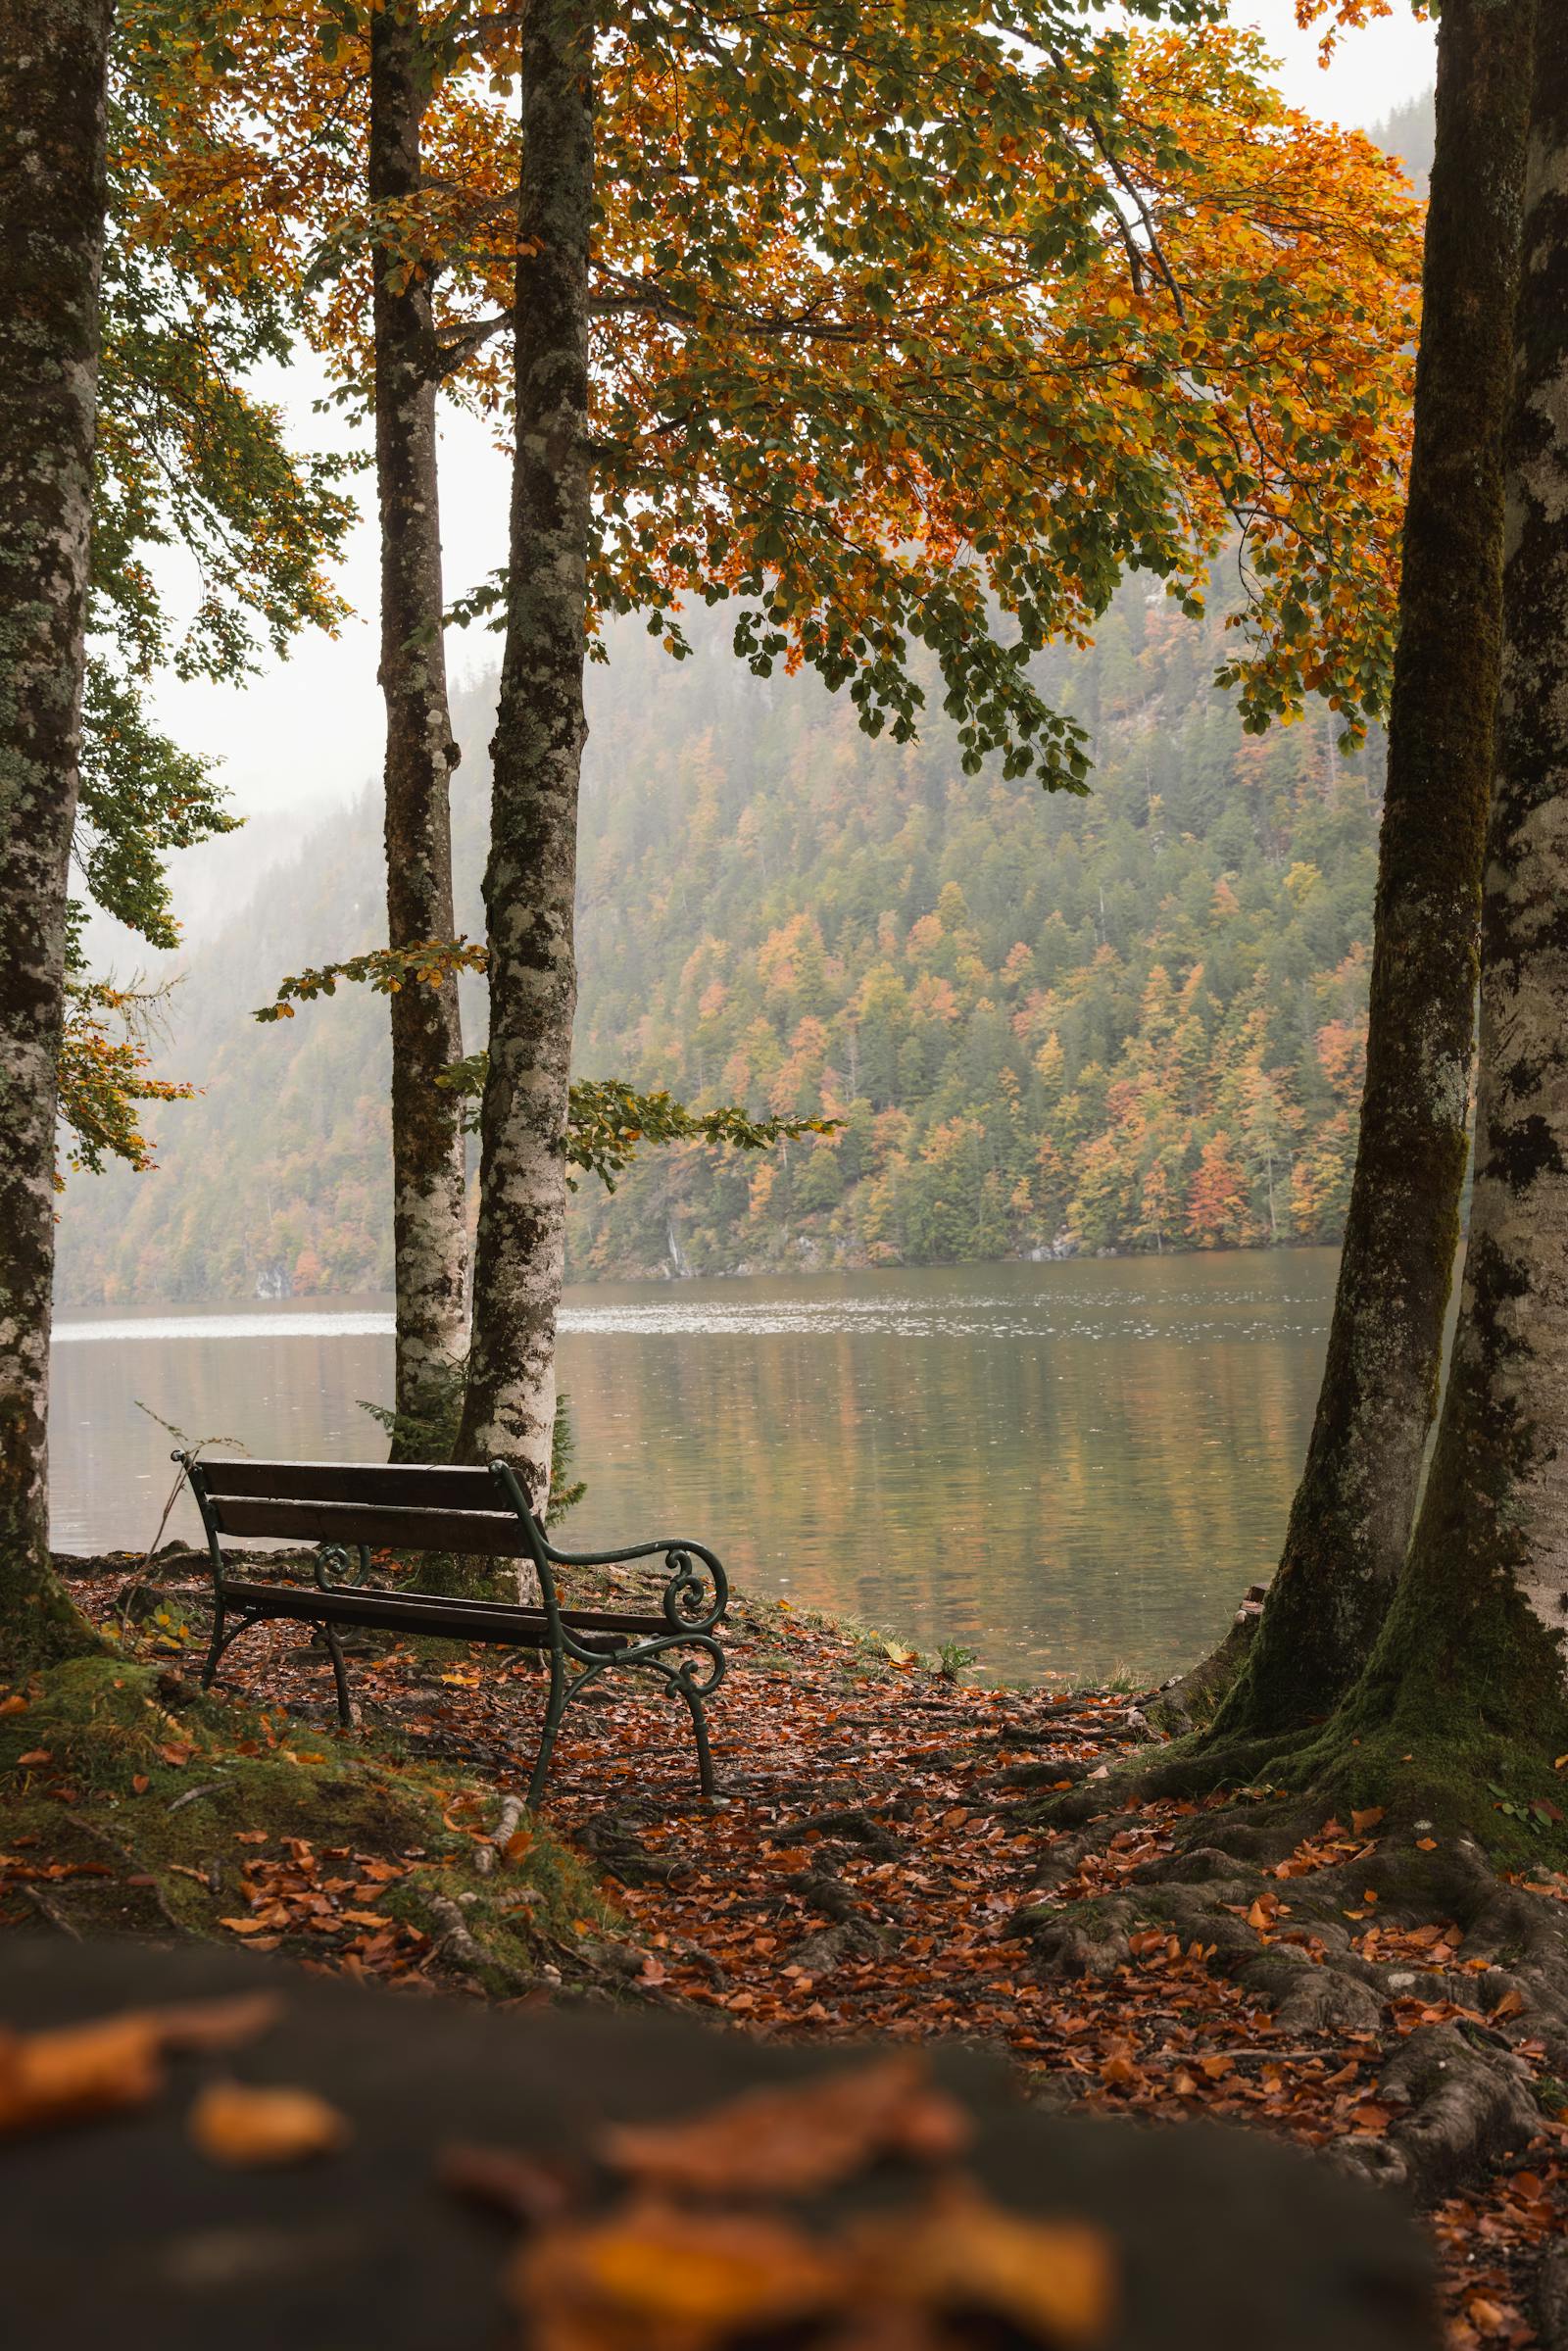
(1129, 1021)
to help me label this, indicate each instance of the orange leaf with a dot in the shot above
(1053, 2280)
(251, 2129)
(96, 2067)
(33, 1756)
(1361, 1822)
(796, 2142)
(653, 2275)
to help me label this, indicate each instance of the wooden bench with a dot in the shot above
(472, 1513)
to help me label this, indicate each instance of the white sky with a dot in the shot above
(306, 734)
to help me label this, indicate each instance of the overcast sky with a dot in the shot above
(307, 733)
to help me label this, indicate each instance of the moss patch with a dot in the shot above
(133, 1804)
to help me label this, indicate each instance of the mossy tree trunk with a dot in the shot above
(1475, 1639)
(53, 63)
(429, 1231)
(537, 757)
(1349, 1526)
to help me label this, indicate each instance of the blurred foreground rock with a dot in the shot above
(122, 2230)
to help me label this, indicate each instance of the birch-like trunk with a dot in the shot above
(1350, 1522)
(52, 58)
(429, 1232)
(537, 758)
(1484, 1606)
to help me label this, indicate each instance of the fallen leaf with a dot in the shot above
(518, 1846)
(653, 2278)
(1511, 2003)
(1425, 1844)
(18, 1704)
(519, 2185)
(247, 2128)
(1053, 2279)
(114, 2062)
(82, 2070)
(798, 2141)
(34, 1755)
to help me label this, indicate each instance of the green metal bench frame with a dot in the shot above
(470, 1512)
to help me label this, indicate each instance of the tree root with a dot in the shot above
(1552, 2297)
(1330, 1947)
(1462, 2107)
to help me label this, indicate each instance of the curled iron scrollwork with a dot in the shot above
(697, 1594)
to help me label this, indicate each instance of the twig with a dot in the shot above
(49, 1911)
(191, 1793)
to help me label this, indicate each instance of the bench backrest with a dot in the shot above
(413, 1510)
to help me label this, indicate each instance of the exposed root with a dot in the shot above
(1552, 2297)
(1462, 2108)
(1370, 1928)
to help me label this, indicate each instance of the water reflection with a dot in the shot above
(1063, 1467)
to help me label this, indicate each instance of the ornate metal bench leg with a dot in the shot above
(560, 1691)
(705, 1760)
(216, 1647)
(340, 1674)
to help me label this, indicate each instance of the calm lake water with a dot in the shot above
(1064, 1467)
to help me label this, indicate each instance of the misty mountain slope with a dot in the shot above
(1134, 1019)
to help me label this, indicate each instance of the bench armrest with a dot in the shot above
(696, 1594)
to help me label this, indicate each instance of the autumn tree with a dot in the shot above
(428, 1177)
(1472, 1652)
(1350, 1520)
(53, 69)
(790, 370)
(530, 880)
(190, 458)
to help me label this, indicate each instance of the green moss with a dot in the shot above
(163, 1786)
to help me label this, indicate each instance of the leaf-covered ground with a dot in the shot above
(872, 1868)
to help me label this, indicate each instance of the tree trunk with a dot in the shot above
(429, 1234)
(1481, 1614)
(53, 63)
(537, 755)
(1349, 1526)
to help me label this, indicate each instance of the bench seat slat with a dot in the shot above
(413, 1486)
(481, 1534)
(424, 1612)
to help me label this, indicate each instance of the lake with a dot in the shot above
(1067, 1468)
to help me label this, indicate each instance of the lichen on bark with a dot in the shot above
(429, 1228)
(52, 65)
(537, 760)
(1350, 1522)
